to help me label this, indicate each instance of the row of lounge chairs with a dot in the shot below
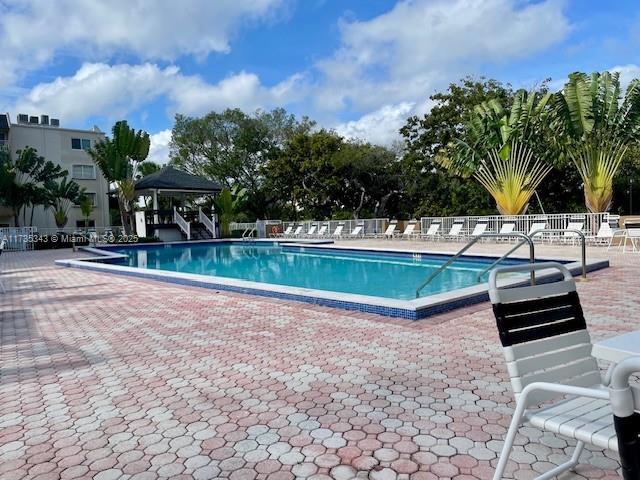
(604, 236)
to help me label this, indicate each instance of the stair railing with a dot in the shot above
(182, 223)
(207, 222)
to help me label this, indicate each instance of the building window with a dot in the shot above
(80, 143)
(91, 196)
(83, 172)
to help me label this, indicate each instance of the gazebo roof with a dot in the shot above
(172, 179)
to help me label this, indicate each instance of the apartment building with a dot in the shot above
(66, 147)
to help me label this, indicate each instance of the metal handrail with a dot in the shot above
(525, 238)
(582, 236)
(248, 233)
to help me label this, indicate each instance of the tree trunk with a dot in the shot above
(16, 218)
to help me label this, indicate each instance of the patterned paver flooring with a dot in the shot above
(108, 377)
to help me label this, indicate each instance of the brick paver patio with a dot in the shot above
(107, 377)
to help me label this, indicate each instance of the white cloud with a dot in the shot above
(387, 66)
(113, 91)
(33, 31)
(194, 96)
(159, 149)
(380, 126)
(421, 44)
(99, 89)
(627, 73)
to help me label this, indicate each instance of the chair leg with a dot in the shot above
(568, 465)
(503, 459)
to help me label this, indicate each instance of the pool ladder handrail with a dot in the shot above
(248, 233)
(583, 241)
(525, 239)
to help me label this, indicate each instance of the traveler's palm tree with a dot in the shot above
(117, 158)
(506, 150)
(227, 205)
(597, 128)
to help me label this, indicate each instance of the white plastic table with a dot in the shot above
(616, 349)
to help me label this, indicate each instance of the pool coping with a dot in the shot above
(414, 309)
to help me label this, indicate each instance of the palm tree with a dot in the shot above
(22, 180)
(227, 205)
(118, 159)
(507, 150)
(596, 129)
(511, 181)
(86, 208)
(61, 195)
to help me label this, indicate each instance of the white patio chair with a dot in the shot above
(548, 353)
(312, 230)
(480, 228)
(322, 231)
(3, 244)
(298, 231)
(337, 233)
(286, 232)
(536, 227)
(571, 237)
(409, 230)
(625, 402)
(357, 232)
(632, 234)
(455, 233)
(390, 231)
(605, 235)
(432, 231)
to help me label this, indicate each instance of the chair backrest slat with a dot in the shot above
(544, 334)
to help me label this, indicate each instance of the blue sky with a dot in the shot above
(358, 66)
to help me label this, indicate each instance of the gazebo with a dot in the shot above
(174, 183)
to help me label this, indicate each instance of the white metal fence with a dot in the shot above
(558, 221)
(18, 238)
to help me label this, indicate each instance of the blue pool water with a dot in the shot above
(372, 273)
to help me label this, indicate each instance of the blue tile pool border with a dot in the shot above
(406, 309)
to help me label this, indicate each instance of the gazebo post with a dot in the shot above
(156, 219)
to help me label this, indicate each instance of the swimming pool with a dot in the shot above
(378, 274)
(381, 281)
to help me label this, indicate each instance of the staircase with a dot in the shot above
(200, 232)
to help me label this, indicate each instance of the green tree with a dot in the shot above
(227, 206)
(509, 151)
(61, 195)
(22, 179)
(233, 148)
(427, 187)
(597, 129)
(86, 208)
(118, 158)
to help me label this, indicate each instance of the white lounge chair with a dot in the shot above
(312, 230)
(456, 231)
(2, 247)
(322, 231)
(432, 231)
(298, 231)
(480, 228)
(357, 232)
(409, 230)
(536, 227)
(548, 353)
(390, 231)
(286, 232)
(506, 229)
(337, 233)
(605, 235)
(571, 237)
